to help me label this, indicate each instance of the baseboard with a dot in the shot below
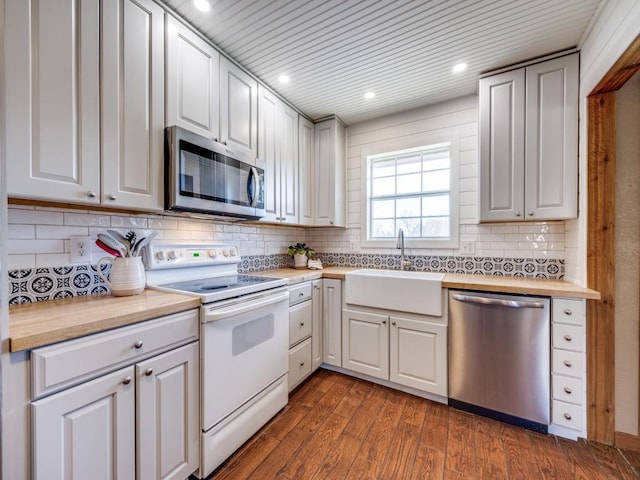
(627, 441)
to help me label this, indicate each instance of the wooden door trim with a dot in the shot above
(601, 156)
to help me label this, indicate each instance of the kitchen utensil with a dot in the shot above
(143, 242)
(111, 242)
(131, 237)
(107, 249)
(126, 277)
(118, 236)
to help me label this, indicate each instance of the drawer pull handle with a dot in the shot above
(302, 324)
(301, 294)
(568, 338)
(384, 322)
(138, 344)
(302, 364)
(567, 416)
(148, 372)
(127, 380)
(567, 311)
(568, 391)
(568, 364)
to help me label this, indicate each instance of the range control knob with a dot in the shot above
(160, 254)
(232, 252)
(211, 253)
(172, 255)
(225, 253)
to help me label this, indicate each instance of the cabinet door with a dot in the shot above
(193, 75)
(551, 158)
(306, 176)
(87, 431)
(316, 333)
(332, 321)
(238, 109)
(269, 154)
(52, 75)
(418, 355)
(167, 410)
(132, 104)
(502, 113)
(288, 136)
(365, 343)
(330, 174)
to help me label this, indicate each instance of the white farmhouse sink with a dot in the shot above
(416, 292)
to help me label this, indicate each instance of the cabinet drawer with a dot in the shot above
(299, 363)
(568, 363)
(564, 310)
(567, 389)
(300, 322)
(68, 363)
(300, 293)
(567, 415)
(568, 337)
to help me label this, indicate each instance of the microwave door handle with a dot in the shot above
(252, 189)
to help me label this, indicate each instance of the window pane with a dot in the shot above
(434, 181)
(383, 209)
(408, 207)
(411, 164)
(383, 228)
(383, 186)
(435, 227)
(410, 226)
(383, 168)
(409, 183)
(436, 164)
(435, 205)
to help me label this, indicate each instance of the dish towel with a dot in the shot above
(314, 265)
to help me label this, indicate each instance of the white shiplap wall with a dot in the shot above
(514, 240)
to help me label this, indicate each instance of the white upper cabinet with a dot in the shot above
(528, 142)
(52, 76)
(306, 176)
(132, 104)
(278, 155)
(238, 109)
(330, 173)
(193, 76)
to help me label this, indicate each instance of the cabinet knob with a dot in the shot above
(567, 416)
(531, 213)
(127, 380)
(91, 194)
(567, 363)
(518, 214)
(568, 391)
(301, 294)
(393, 323)
(112, 196)
(302, 324)
(138, 344)
(331, 222)
(384, 322)
(302, 364)
(568, 338)
(567, 311)
(148, 372)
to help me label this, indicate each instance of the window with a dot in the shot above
(411, 189)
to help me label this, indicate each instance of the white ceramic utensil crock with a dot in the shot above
(126, 277)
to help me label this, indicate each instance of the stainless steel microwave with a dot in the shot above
(207, 177)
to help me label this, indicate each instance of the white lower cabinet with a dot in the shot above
(316, 334)
(332, 321)
(305, 331)
(139, 421)
(406, 351)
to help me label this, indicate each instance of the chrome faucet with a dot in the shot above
(400, 244)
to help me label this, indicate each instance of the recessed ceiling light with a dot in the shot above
(283, 78)
(202, 5)
(369, 95)
(460, 67)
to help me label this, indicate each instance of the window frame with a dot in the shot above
(420, 141)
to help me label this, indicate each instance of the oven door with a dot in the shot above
(244, 350)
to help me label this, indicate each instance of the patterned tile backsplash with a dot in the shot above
(30, 285)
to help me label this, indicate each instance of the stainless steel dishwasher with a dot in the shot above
(499, 356)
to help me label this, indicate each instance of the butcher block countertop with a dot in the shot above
(36, 324)
(487, 283)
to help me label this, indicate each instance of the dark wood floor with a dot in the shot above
(341, 427)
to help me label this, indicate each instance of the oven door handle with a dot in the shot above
(213, 314)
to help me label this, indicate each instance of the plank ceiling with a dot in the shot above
(403, 50)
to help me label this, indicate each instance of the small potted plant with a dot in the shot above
(300, 253)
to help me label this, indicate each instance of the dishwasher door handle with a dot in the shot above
(497, 302)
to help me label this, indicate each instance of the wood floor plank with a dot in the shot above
(633, 457)
(339, 427)
(461, 455)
